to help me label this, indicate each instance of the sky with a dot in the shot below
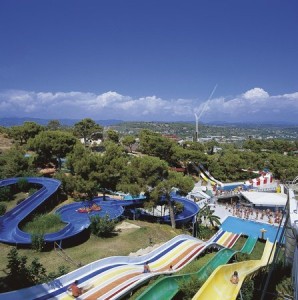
(150, 60)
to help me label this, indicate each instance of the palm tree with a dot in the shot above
(208, 215)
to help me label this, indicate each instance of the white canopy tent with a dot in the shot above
(265, 199)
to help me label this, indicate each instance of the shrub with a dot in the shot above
(5, 193)
(102, 226)
(61, 271)
(37, 241)
(32, 191)
(247, 290)
(20, 274)
(178, 207)
(42, 224)
(189, 287)
(204, 232)
(3, 208)
(23, 184)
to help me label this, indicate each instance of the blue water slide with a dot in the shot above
(190, 210)
(9, 222)
(75, 221)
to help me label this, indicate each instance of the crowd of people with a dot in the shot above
(268, 215)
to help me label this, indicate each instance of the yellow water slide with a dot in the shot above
(218, 285)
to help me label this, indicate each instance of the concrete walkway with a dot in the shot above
(223, 212)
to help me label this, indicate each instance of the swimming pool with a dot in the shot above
(251, 228)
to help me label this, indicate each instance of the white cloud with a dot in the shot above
(253, 105)
(256, 93)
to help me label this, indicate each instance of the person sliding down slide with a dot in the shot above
(75, 290)
(78, 291)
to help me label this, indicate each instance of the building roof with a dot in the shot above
(265, 199)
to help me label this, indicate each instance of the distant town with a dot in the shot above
(220, 133)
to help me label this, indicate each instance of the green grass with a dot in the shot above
(14, 201)
(239, 243)
(42, 224)
(197, 264)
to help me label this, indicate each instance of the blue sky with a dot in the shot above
(150, 60)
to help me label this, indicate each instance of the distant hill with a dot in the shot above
(8, 122)
(250, 124)
(14, 121)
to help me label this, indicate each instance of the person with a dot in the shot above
(171, 268)
(234, 278)
(146, 268)
(76, 291)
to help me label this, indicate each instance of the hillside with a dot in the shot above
(5, 143)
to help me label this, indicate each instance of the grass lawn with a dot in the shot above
(13, 202)
(42, 224)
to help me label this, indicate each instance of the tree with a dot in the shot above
(54, 125)
(21, 275)
(103, 227)
(83, 166)
(13, 163)
(23, 133)
(86, 128)
(18, 274)
(111, 167)
(165, 186)
(93, 172)
(208, 216)
(52, 145)
(152, 176)
(128, 141)
(142, 174)
(5, 193)
(155, 144)
(113, 136)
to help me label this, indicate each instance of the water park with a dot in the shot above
(118, 277)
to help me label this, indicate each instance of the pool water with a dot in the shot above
(251, 228)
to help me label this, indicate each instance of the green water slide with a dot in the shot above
(249, 245)
(167, 287)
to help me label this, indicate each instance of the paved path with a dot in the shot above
(222, 212)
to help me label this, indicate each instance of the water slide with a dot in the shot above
(207, 177)
(9, 222)
(75, 221)
(218, 285)
(114, 276)
(168, 287)
(205, 174)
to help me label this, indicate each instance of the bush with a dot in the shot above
(189, 287)
(3, 208)
(247, 290)
(61, 271)
(37, 242)
(20, 274)
(178, 207)
(103, 227)
(23, 184)
(32, 191)
(5, 193)
(42, 224)
(204, 232)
